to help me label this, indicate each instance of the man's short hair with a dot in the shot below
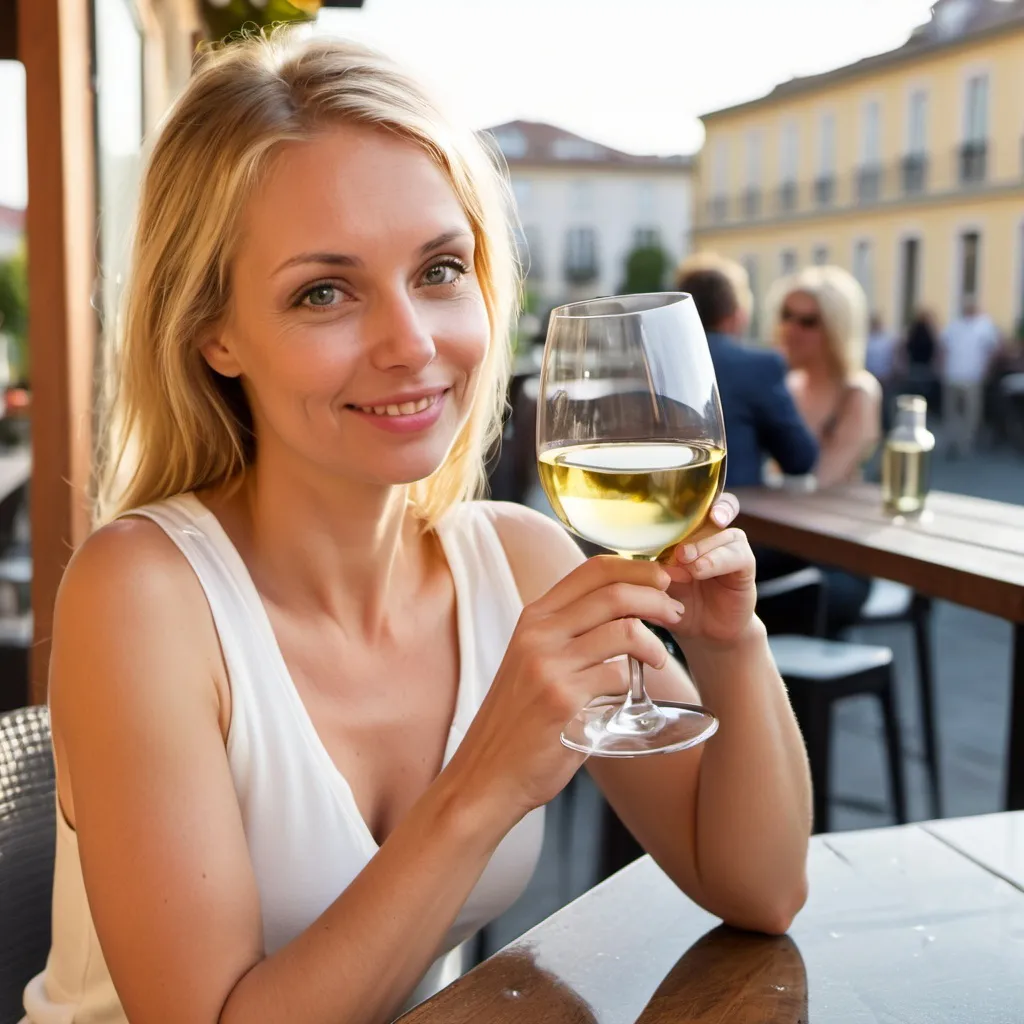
(713, 295)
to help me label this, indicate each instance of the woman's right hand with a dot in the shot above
(556, 663)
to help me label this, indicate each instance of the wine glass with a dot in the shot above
(631, 455)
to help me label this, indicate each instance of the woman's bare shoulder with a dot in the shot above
(130, 598)
(539, 550)
(867, 384)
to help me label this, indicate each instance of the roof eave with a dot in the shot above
(881, 62)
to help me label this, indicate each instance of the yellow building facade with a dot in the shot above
(906, 168)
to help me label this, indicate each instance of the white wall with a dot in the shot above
(614, 203)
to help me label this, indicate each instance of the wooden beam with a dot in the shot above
(8, 30)
(54, 45)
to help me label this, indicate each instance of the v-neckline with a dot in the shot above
(261, 622)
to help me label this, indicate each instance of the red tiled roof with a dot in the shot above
(11, 219)
(533, 142)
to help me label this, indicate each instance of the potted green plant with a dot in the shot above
(224, 18)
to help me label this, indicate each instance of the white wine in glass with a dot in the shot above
(631, 454)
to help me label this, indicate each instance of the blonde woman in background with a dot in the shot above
(821, 321)
(306, 695)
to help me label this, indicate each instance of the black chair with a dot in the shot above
(818, 672)
(889, 602)
(27, 841)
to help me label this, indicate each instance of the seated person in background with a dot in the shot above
(761, 420)
(822, 330)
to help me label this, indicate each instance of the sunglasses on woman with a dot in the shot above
(808, 321)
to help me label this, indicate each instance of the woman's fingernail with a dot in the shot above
(679, 608)
(688, 552)
(721, 514)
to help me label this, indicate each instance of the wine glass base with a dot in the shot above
(677, 727)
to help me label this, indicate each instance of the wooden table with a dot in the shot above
(918, 924)
(966, 550)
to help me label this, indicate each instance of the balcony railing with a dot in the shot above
(972, 163)
(869, 184)
(914, 174)
(911, 178)
(788, 194)
(718, 209)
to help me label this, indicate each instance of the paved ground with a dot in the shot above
(972, 663)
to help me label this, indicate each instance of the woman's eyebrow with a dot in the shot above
(337, 259)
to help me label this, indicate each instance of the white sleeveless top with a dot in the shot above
(306, 837)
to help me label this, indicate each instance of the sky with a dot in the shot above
(633, 74)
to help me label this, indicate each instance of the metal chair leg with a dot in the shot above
(894, 751)
(921, 622)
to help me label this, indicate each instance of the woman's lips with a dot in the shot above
(394, 421)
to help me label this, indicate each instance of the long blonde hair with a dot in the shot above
(171, 424)
(843, 307)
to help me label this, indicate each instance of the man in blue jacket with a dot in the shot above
(761, 420)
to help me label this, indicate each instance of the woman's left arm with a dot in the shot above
(728, 820)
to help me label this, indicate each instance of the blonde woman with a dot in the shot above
(821, 326)
(306, 695)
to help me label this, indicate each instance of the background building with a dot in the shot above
(907, 168)
(585, 207)
(12, 229)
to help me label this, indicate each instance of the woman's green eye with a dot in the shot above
(443, 273)
(321, 295)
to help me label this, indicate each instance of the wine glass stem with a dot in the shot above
(637, 693)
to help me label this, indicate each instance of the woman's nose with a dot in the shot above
(400, 338)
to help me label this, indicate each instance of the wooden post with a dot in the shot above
(54, 38)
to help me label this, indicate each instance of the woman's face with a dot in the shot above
(356, 323)
(801, 330)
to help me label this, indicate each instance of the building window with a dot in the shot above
(871, 134)
(819, 255)
(825, 183)
(787, 262)
(910, 270)
(646, 238)
(646, 200)
(973, 154)
(917, 123)
(720, 181)
(752, 192)
(827, 146)
(869, 174)
(863, 269)
(522, 188)
(532, 252)
(581, 266)
(753, 279)
(120, 103)
(914, 166)
(575, 149)
(970, 257)
(754, 158)
(789, 153)
(512, 143)
(788, 162)
(976, 109)
(581, 198)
